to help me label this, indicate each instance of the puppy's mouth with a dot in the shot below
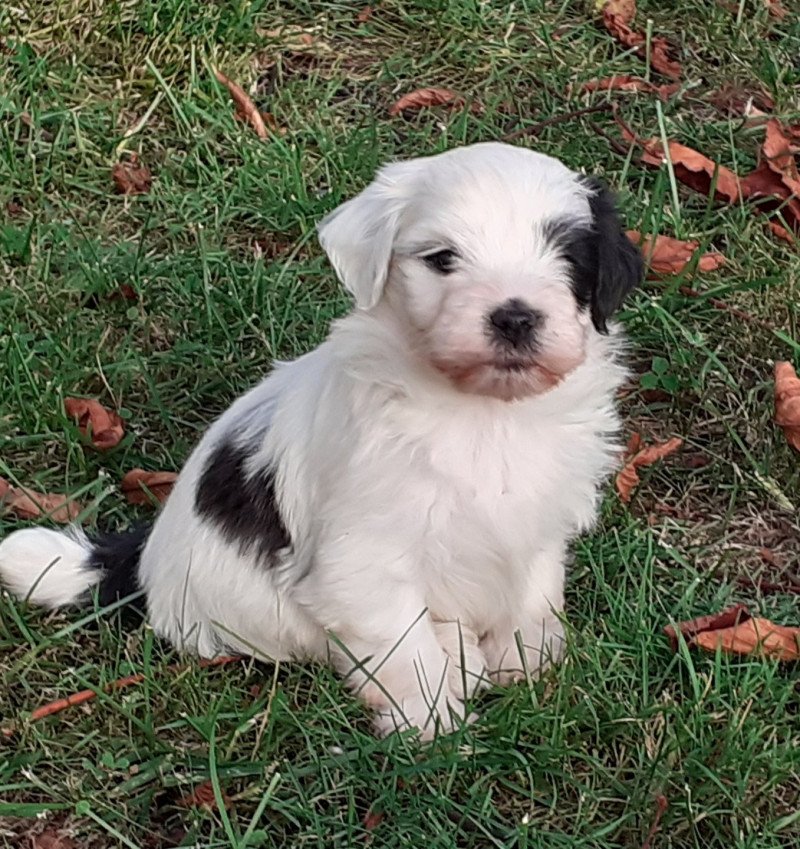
(506, 378)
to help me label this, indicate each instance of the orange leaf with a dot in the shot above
(754, 636)
(132, 178)
(244, 105)
(425, 97)
(52, 839)
(660, 49)
(29, 504)
(365, 14)
(776, 9)
(625, 82)
(779, 151)
(665, 255)
(203, 796)
(103, 427)
(628, 477)
(782, 233)
(137, 482)
(694, 169)
(693, 627)
(787, 402)
(625, 10)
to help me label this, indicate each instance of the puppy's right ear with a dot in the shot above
(359, 235)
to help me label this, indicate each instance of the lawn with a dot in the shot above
(166, 305)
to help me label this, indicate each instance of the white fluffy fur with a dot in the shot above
(430, 494)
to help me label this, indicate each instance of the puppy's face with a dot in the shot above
(499, 261)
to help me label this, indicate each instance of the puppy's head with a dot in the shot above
(500, 261)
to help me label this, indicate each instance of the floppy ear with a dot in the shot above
(358, 236)
(618, 265)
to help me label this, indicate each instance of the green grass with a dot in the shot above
(576, 760)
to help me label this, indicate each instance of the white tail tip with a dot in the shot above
(49, 568)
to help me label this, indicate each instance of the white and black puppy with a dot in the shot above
(400, 500)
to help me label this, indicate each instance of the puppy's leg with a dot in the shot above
(467, 670)
(532, 637)
(383, 641)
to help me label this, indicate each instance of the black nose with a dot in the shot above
(514, 323)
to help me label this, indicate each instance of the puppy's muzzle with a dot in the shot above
(515, 325)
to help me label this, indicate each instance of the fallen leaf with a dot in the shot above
(103, 427)
(740, 101)
(779, 152)
(52, 839)
(203, 796)
(787, 402)
(372, 819)
(425, 97)
(132, 177)
(628, 477)
(665, 255)
(29, 504)
(365, 14)
(14, 208)
(753, 636)
(137, 482)
(691, 168)
(692, 627)
(244, 105)
(660, 49)
(125, 292)
(781, 232)
(776, 9)
(765, 185)
(625, 10)
(625, 82)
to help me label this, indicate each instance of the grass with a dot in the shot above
(223, 258)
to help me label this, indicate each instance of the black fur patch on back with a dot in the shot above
(242, 506)
(117, 556)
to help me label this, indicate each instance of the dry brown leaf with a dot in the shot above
(132, 177)
(779, 151)
(782, 233)
(787, 402)
(776, 9)
(365, 14)
(692, 627)
(52, 839)
(665, 255)
(625, 82)
(755, 636)
(244, 105)
(372, 819)
(693, 169)
(766, 186)
(426, 97)
(137, 482)
(101, 426)
(660, 49)
(628, 477)
(29, 504)
(625, 10)
(741, 101)
(203, 796)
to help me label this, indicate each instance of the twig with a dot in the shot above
(128, 681)
(661, 806)
(616, 145)
(533, 129)
(725, 307)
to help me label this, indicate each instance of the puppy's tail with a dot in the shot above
(54, 569)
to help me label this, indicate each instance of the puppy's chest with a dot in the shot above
(503, 486)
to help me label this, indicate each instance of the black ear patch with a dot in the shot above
(242, 506)
(606, 265)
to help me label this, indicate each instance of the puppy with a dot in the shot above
(399, 501)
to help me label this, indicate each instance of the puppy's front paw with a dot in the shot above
(466, 663)
(417, 713)
(542, 646)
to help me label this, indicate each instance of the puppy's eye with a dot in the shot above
(443, 262)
